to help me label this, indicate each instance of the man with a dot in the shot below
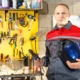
(64, 29)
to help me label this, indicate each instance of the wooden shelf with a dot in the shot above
(3, 9)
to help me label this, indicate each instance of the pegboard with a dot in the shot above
(14, 27)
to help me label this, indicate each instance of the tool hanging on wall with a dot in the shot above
(7, 58)
(2, 56)
(26, 58)
(15, 43)
(16, 21)
(31, 19)
(21, 44)
(2, 36)
(9, 24)
(6, 11)
(14, 49)
(14, 39)
(10, 21)
(13, 52)
(21, 38)
(22, 52)
(33, 38)
(8, 33)
(1, 21)
(22, 20)
(0, 40)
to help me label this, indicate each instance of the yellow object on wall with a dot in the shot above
(18, 32)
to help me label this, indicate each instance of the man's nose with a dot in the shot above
(61, 15)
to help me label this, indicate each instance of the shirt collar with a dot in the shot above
(67, 26)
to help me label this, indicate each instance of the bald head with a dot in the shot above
(63, 5)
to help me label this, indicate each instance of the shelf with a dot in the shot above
(21, 75)
(36, 9)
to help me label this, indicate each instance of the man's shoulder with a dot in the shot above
(75, 28)
(51, 33)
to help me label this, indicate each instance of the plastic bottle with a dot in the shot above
(5, 3)
(14, 4)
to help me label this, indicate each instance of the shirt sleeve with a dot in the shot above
(46, 58)
(47, 54)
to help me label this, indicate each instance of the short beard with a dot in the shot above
(61, 25)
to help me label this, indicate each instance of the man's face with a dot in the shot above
(61, 15)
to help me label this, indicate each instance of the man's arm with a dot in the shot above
(46, 57)
(44, 61)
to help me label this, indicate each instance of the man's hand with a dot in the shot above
(75, 65)
(38, 62)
